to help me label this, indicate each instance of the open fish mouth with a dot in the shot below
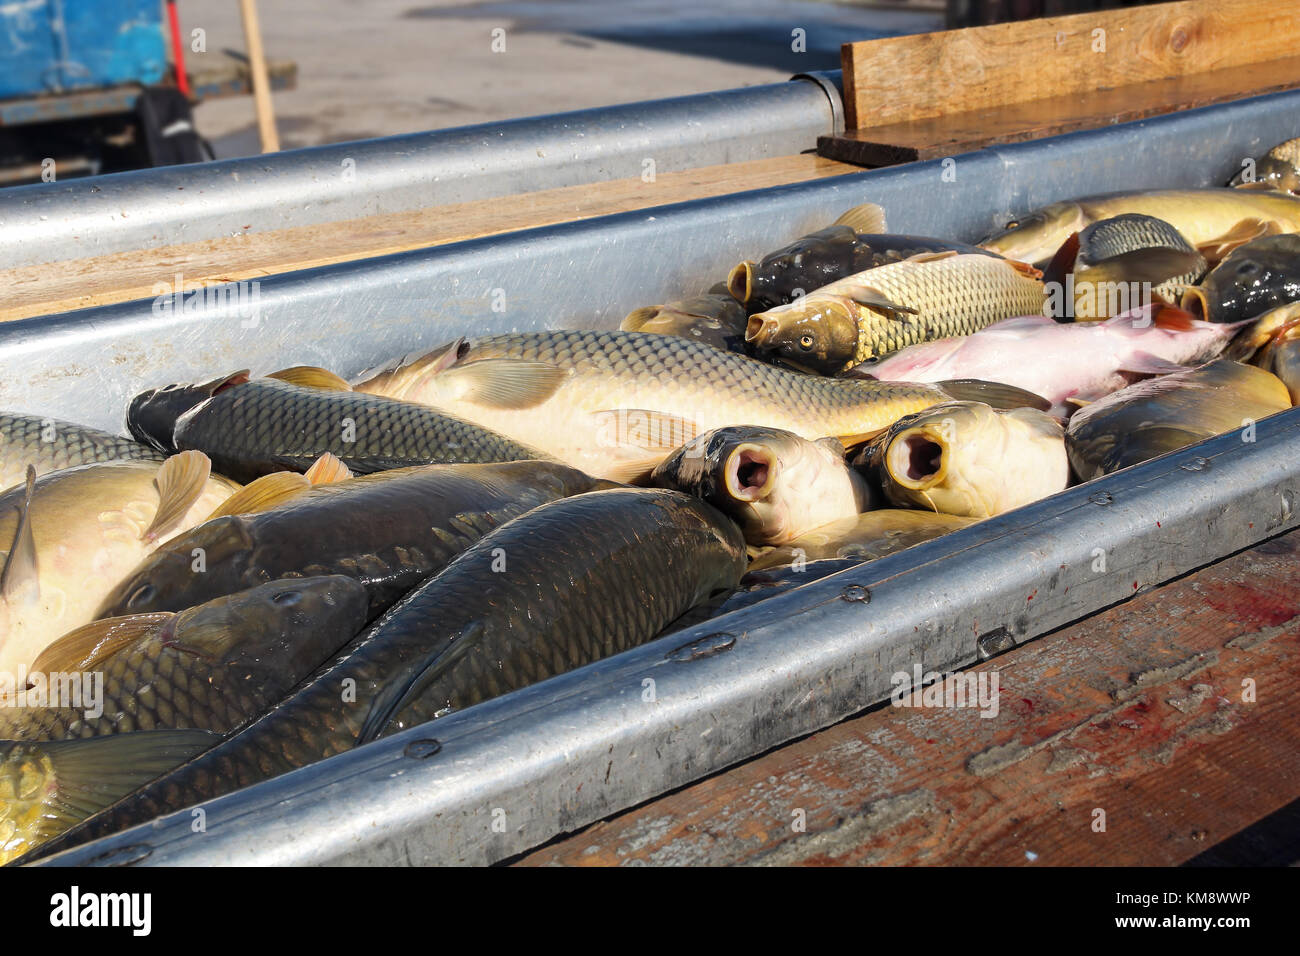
(916, 460)
(750, 473)
(740, 282)
(761, 330)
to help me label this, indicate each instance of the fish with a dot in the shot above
(1252, 280)
(771, 482)
(1121, 263)
(565, 584)
(1280, 354)
(1066, 363)
(49, 444)
(826, 256)
(967, 459)
(389, 530)
(616, 404)
(715, 319)
(251, 428)
(1214, 219)
(1279, 168)
(1164, 414)
(71, 535)
(46, 787)
(863, 537)
(873, 313)
(211, 667)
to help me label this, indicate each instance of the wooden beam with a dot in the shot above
(901, 79)
(937, 137)
(127, 276)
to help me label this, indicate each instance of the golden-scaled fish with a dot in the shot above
(1118, 264)
(73, 534)
(1279, 167)
(771, 482)
(965, 458)
(870, 314)
(1214, 220)
(616, 404)
(1164, 414)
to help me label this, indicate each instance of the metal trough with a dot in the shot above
(510, 774)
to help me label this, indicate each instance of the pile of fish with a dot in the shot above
(276, 569)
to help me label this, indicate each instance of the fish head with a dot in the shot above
(151, 416)
(717, 320)
(207, 561)
(773, 483)
(277, 632)
(817, 332)
(931, 459)
(1036, 237)
(1281, 171)
(1252, 279)
(788, 273)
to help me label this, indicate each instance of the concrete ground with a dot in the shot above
(381, 67)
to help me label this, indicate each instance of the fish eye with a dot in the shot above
(1248, 269)
(805, 341)
(140, 595)
(1013, 224)
(287, 598)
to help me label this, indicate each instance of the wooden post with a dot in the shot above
(261, 81)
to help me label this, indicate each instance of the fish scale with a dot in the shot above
(524, 623)
(958, 295)
(267, 425)
(23, 442)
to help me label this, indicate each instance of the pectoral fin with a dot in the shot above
(20, 580)
(180, 482)
(86, 647)
(875, 299)
(505, 383)
(326, 470)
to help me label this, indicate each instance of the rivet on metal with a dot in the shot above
(706, 646)
(994, 642)
(856, 592)
(1195, 464)
(123, 855)
(419, 749)
(1101, 498)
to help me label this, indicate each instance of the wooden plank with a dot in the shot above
(127, 276)
(937, 137)
(900, 79)
(1139, 711)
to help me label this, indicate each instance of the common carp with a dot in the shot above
(252, 428)
(1253, 279)
(715, 319)
(864, 537)
(1215, 220)
(389, 530)
(48, 444)
(616, 404)
(967, 459)
(873, 313)
(582, 578)
(71, 535)
(773, 483)
(1164, 414)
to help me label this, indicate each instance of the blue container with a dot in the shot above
(49, 46)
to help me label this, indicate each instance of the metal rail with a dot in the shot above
(505, 776)
(84, 366)
(160, 207)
